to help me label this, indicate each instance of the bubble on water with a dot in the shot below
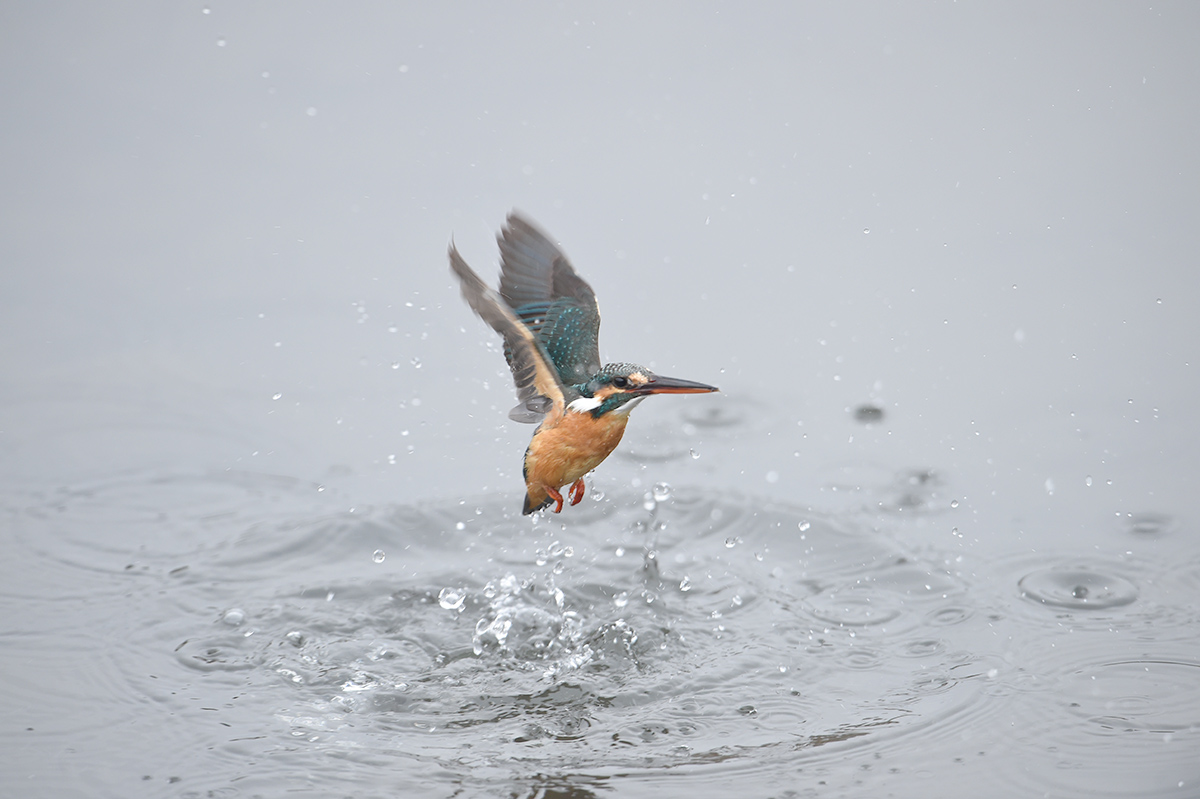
(378, 556)
(452, 598)
(234, 617)
(1078, 588)
(804, 526)
(661, 491)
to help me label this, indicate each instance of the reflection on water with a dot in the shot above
(710, 637)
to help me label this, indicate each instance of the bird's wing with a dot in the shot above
(550, 298)
(539, 387)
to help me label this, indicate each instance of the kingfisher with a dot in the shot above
(550, 323)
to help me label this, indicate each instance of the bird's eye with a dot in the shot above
(620, 382)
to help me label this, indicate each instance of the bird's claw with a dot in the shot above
(557, 497)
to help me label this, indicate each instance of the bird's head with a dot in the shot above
(619, 387)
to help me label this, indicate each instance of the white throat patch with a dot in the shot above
(629, 406)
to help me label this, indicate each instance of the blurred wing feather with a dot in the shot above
(539, 387)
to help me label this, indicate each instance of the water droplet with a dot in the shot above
(277, 396)
(597, 495)
(392, 460)
(1149, 523)
(206, 10)
(866, 230)
(731, 542)
(1050, 486)
(220, 42)
(234, 617)
(772, 477)
(452, 598)
(395, 364)
(804, 525)
(662, 492)
(648, 502)
(685, 584)
(954, 503)
(1087, 481)
(868, 413)
(378, 556)
(695, 455)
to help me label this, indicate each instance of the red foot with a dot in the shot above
(577, 491)
(557, 497)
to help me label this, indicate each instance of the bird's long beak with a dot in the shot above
(673, 385)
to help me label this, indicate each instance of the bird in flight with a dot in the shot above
(548, 317)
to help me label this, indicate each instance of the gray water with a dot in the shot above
(936, 536)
